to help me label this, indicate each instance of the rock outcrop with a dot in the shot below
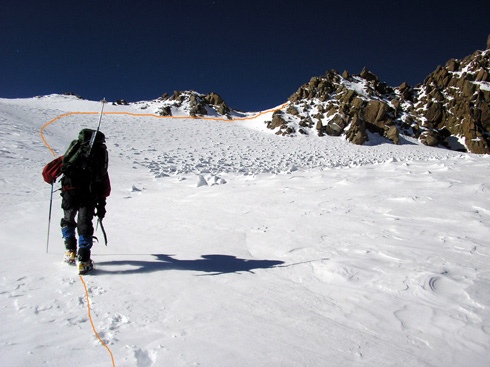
(451, 108)
(194, 103)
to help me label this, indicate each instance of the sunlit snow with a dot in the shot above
(231, 246)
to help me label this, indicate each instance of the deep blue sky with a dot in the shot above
(255, 54)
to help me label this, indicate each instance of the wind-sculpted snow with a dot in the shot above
(218, 148)
(231, 246)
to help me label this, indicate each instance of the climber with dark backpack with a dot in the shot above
(85, 185)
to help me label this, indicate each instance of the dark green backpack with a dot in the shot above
(84, 164)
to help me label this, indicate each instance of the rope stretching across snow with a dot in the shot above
(92, 323)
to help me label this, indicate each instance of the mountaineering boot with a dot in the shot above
(85, 267)
(71, 249)
(85, 264)
(70, 257)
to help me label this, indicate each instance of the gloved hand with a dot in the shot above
(101, 209)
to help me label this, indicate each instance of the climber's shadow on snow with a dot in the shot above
(209, 264)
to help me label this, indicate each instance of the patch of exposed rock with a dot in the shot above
(194, 103)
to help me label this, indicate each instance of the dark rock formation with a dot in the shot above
(196, 104)
(452, 104)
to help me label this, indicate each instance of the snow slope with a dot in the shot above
(231, 246)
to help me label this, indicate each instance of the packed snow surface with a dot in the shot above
(231, 246)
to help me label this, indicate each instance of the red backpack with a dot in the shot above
(52, 170)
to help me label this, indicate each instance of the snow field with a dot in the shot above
(294, 251)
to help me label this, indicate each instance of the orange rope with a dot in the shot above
(45, 126)
(92, 323)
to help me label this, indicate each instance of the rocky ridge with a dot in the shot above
(451, 108)
(194, 103)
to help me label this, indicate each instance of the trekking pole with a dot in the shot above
(49, 219)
